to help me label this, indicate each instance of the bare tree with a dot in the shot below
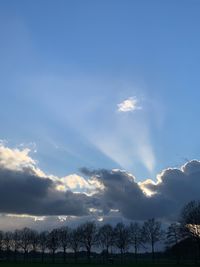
(190, 219)
(25, 240)
(190, 222)
(173, 234)
(42, 243)
(75, 241)
(64, 233)
(1, 243)
(16, 243)
(106, 237)
(121, 238)
(34, 240)
(173, 237)
(152, 233)
(53, 242)
(136, 237)
(7, 242)
(89, 236)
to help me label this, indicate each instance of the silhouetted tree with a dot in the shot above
(16, 243)
(121, 238)
(190, 221)
(136, 237)
(106, 237)
(64, 233)
(42, 243)
(25, 240)
(173, 237)
(7, 243)
(89, 236)
(1, 243)
(173, 234)
(53, 242)
(34, 240)
(152, 233)
(75, 240)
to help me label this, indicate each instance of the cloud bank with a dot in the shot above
(25, 189)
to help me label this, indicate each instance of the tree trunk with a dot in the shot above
(42, 256)
(24, 255)
(75, 256)
(15, 255)
(107, 253)
(121, 252)
(53, 256)
(198, 249)
(89, 255)
(64, 254)
(152, 251)
(136, 253)
(34, 255)
(7, 254)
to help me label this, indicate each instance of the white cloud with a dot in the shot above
(129, 104)
(77, 184)
(16, 159)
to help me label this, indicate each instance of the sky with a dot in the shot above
(93, 89)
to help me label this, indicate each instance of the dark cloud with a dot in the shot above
(173, 189)
(88, 172)
(23, 192)
(122, 192)
(176, 187)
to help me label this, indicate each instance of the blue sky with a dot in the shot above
(66, 66)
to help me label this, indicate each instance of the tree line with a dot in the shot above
(106, 239)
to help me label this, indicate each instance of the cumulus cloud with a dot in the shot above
(121, 192)
(161, 199)
(128, 105)
(15, 159)
(25, 189)
(24, 192)
(77, 183)
(175, 187)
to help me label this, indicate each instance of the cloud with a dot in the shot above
(130, 104)
(72, 182)
(161, 199)
(175, 187)
(15, 159)
(23, 192)
(15, 221)
(122, 192)
(25, 189)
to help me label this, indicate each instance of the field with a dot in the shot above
(146, 264)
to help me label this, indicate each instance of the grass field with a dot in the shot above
(146, 264)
